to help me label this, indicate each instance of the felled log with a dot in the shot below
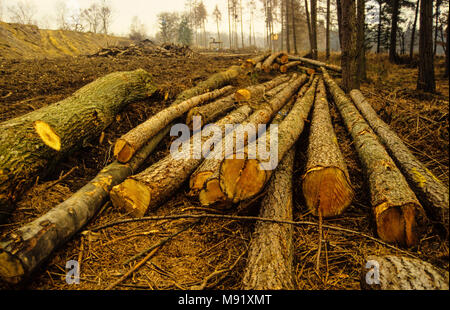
(431, 192)
(402, 273)
(31, 144)
(24, 249)
(326, 183)
(316, 63)
(243, 178)
(215, 109)
(397, 211)
(251, 62)
(132, 141)
(205, 180)
(270, 256)
(284, 68)
(267, 64)
(149, 188)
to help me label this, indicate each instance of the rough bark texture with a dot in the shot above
(241, 179)
(270, 256)
(394, 27)
(127, 145)
(292, 64)
(211, 111)
(267, 64)
(413, 32)
(398, 213)
(327, 31)
(24, 249)
(326, 183)
(426, 80)
(205, 181)
(69, 124)
(251, 62)
(349, 55)
(432, 193)
(402, 273)
(256, 91)
(314, 49)
(149, 188)
(316, 63)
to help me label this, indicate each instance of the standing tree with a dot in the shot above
(394, 26)
(252, 8)
(349, 63)
(436, 25)
(200, 19)
(23, 12)
(413, 32)
(168, 27)
(327, 35)
(426, 80)
(294, 32)
(308, 24)
(217, 18)
(62, 18)
(92, 17)
(361, 26)
(137, 30)
(447, 46)
(185, 31)
(314, 28)
(288, 42)
(105, 13)
(242, 23)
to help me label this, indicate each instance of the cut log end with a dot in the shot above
(284, 58)
(241, 179)
(397, 224)
(242, 95)
(328, 190)
(11, 269)
(132, 197)
(197, 182)
(47, 135)
(211, 193)
(123, 151)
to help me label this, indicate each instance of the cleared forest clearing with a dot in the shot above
(212, 252)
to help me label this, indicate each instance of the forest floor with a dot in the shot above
(210, 245)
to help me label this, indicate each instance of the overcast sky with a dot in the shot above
(146, 10)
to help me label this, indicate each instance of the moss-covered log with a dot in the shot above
(31, 144)
(132, 141)
(431, 192)
(326, 183)
(25, 248)
(149, 188)
(209, 168)
(316, 63)
(390, 272)
(242, 177)
(397, 211)
(270, 256)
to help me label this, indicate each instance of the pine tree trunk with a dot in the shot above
(413, 32)
(361, 16)
(243, 178)
(402, 273)
(308, 24)
(294, 31)
(288, 40)
(380, 11)
(271, 252)
(314, 29)
(33, 143)
(398, 214)
(349, 64)
(155, 184)
(447, 50)
(394, 27)
(327, 35)
(426, 80)
(339, 19)
(432, 193)
(326, 183)
(25, 249)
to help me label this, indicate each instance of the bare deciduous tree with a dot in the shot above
(105, 12)
(168, 27)
(217, 18)
(137, 29)
(62, 18)
(23, 12)
(92, 17)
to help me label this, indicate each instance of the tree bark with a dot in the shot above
(361, 17)
(127, 145)
(316, 63)
(267, 64)
(294, 31)
(33, 143)
(284, 68)
(326, 183)
(314, 29)
(431, 192)
(413, 32)
(426, 80)
(339, 20)
(205, 180)
(155, 184)
(22, 251)
(255, 92)
(403, 273)
(436, 25)
(394, 27)
(271, 252)
(398, 214)
(447, 50)
(349, 64)
(327, 35)
(243, 178)
(251, 62)
(380, 11)
(308, 24)
(288, 41)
